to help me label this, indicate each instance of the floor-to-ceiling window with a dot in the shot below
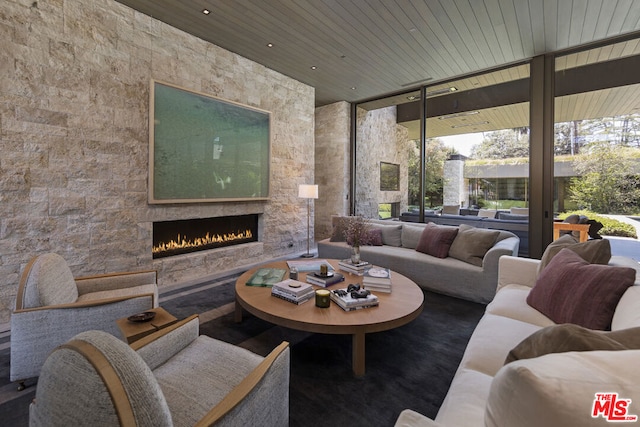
(460, 146)
(468, 142)
(481, 125)
(597, 133)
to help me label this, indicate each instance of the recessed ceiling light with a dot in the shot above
(206, 11)
(269, 44)
(463, 114)
(313, 67)
(469, 124)
(353, 88)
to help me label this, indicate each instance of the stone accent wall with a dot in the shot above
(74, 105)
(379, 139)
(333, 127)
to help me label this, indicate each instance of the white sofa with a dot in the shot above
(449, 276)
(549, 390)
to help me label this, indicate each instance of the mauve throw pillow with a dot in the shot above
(436, 240)
(375, 237)
(570, 290)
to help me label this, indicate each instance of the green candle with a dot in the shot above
(322, 298)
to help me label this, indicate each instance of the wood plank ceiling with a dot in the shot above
(355, 50)
(385, 46)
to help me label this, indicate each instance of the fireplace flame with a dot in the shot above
(208, 239)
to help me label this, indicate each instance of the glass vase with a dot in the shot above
(355, 254)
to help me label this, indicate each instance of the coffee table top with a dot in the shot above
(398, 308)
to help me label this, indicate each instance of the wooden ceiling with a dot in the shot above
(575, 103)
(366, 48)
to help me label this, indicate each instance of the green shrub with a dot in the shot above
(611, 227)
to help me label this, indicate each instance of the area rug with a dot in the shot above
(408, 367)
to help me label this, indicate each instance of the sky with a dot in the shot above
(462, 143)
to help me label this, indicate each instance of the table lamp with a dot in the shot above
(308, 192)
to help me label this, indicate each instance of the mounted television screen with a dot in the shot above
(389, 177)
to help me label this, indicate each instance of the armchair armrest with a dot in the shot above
(517, 271)
(271, 398)
(93, 303)
(35, 332)
(160, 346)
(111, 281)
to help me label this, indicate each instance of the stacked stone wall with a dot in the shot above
(332, 157)
(379, 139)
(74, 138)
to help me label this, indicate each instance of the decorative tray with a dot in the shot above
(145, 316)
(324, 276)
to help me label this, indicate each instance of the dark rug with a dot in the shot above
(408, 367)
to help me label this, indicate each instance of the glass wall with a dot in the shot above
(597, 135)
(465, 148)
(471, 159)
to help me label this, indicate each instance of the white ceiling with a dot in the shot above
(366, 48)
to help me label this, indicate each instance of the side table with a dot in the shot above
(133, 331)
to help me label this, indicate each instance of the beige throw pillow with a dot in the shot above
(471, 244)
(411, 236)
(597, 251)
(391, 234)
(339, 226)
(559, 389)
(569, 337)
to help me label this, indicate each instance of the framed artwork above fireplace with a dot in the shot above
(206, 149)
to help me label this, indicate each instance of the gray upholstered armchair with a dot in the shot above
(172, 377)
(52, 307)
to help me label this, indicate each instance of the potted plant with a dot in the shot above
(356, 233)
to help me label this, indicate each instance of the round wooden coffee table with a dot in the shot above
(396, 309)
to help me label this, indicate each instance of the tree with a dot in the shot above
(603, 181)
(502, 144)
(436, 153)
(568, 138)
(413, 180)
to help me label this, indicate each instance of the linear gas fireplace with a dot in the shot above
(191, 235)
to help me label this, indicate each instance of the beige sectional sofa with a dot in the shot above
(450, 276)
(551, 389)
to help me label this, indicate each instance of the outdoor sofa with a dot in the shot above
(515, 223)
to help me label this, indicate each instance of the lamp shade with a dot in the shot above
(308, 191)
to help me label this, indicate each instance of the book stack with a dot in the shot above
(324, 280)
(377, 279)
(292, 291)
(345, 301)
(353, 268)
(309, 265)
(266, 277)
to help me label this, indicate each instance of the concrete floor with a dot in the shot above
(626, 246)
